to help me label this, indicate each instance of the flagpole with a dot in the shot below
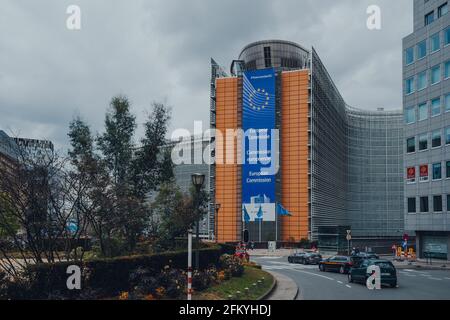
(276, 223)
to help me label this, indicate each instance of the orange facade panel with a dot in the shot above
(294, 154)
(228, 175)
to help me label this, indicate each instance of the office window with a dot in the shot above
(437, 203)
(435, 74)
(423, 111)
(410, 115)
(447, 169)
(423, 142)
(409, 56)
(411, 205)
(435, 107)
(437, 171)
(409, 85)
(429, 18)
(435, 42)
(447, 102)
(436, 139)
(423, 171)
(267, 57)
(424, 204)
(411, 175)
(411, 145)
(447, 36)
(447, 70)
(421, 49)
(421, 80)
(447, 135)
(443, 10)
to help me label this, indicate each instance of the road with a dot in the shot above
(316, 285)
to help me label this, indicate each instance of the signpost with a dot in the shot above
(349, 238)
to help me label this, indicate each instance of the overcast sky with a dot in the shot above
(152, 50)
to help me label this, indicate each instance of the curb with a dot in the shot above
(271, 290)
(276, 285)
(421, 267)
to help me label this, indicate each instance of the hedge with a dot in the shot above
(108, 277)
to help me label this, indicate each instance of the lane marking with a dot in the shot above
(348, 286)
(437, 279)
(340, 282)
(314, 274)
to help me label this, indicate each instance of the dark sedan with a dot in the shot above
(387, 269)
(339, 264)
(364, 256)
(296, 257)
(311, 258)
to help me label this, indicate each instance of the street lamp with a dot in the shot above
(217, 207)
(198, 180)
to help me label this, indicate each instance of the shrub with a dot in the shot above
(109, 277)
(233, 264)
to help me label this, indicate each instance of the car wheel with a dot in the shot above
(342, 270)
(321, 267)
(350, 278)
(290, 260)
(394, 284)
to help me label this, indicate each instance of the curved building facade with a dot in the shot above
(340, 168)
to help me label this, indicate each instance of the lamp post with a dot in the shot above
(189, 274)
(217, 207)
(198, 180)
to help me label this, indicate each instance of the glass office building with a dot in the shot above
(426, 106)
(340, 167)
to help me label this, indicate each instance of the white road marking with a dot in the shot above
(437, 279)
(340, 282)
(314, 274)
(447, 278)
(348, 286)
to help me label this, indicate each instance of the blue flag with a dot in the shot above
(281, 211)
(259, 215)
(246, 215)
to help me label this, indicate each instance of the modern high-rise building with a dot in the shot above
(426, 104)
(340, 168)
(194, 163)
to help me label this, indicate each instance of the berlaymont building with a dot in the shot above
(338, 168)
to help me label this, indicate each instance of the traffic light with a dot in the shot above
(246, 236)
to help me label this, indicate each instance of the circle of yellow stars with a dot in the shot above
(255, 107)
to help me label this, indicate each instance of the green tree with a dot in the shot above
(123, 174)
(9, 221)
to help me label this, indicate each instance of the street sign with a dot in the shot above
(349, 237)
(405, 237)
(349, 231)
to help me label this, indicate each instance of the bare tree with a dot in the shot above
(40, 216)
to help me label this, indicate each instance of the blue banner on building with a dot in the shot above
(258, 121)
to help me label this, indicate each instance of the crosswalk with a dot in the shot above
(278, 265)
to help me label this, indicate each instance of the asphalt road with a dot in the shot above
(316, 285)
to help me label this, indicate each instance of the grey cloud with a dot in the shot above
(160, 50)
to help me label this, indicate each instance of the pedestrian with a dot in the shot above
(252, 245)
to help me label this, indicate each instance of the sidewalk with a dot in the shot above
(267, 253)
(421, 264)
(285, 288)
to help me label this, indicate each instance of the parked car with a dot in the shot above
(358, 273)
(341, 264)
(360, 256)
(296, 257)
(311, 258)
